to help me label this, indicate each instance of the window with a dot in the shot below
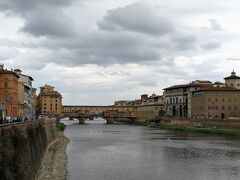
(6, 84)
(216, 107)
(209, 107)
(223, 107)
(229, 107)
(235, 107)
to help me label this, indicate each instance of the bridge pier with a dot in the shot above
(109, 120)
(81, 121)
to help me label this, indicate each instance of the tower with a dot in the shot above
(233, 80)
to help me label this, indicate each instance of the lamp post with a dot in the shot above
(3, 108)
(11, 100)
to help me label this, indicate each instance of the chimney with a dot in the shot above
(1, 67)
(144, 97)
(18, 71)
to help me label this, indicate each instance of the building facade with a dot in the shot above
(49, 101)
(151, 108)
(25, 93)
(8, 93)
(220, 101)
(216, 103)
(178, 98)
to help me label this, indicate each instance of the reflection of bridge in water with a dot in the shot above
(109, 113)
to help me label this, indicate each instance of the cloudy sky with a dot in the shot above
(98, 51)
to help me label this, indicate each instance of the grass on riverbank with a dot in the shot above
(60, 126)
(199, 130)
(181, 128)
(124, 121)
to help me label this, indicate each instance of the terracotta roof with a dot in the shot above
(232, 77)
(51, 93)
(203, 81)
(8, 72)
(186, 86)
(47, 85)
(217, 82)
(218, 89)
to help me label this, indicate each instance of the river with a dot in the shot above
(122, 152)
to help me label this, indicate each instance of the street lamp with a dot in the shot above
(11, 100)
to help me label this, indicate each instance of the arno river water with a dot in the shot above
(122, 152)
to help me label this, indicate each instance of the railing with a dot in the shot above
(27, 124)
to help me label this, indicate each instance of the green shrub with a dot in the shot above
(60, 126)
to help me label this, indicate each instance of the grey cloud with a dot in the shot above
(209, 45)
(215, 25)
(105, 56)
(48, 22)
(184, 41)
(122, 45)
(42, 17)
(136, 17)
(148, 83)
(113, 73)
(23, 6)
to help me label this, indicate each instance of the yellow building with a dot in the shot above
(151, 108)
(20, 99)
(216, 103)
(49, 101)
(34, 96)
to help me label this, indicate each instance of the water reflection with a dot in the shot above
(117, 152)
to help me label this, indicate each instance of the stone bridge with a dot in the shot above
(109, 113)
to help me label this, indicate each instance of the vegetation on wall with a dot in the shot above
(60, 126)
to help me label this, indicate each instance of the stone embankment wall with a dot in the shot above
(218, 124)
(23, 146)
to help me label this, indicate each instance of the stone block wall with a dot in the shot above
(22, 147)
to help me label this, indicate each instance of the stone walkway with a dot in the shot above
(55, 161)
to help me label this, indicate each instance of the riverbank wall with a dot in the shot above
(23, 146)
(205, 123)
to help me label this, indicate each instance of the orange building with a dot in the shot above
(8, 92)
(49, 101)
